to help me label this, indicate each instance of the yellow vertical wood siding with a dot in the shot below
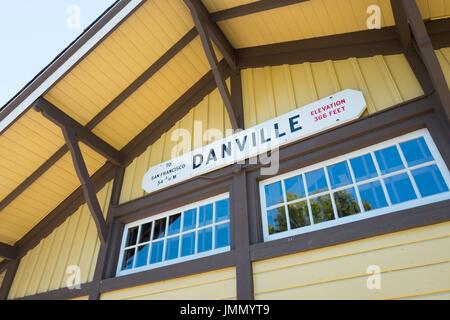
(215, 285)
(413, 263)
(197, 124)
(75, 242)
(271, 91)
(444, 59)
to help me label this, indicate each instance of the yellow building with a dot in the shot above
(123, 174)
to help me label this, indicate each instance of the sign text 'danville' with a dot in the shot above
(298, 124)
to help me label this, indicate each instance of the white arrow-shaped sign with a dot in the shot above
(300, 123)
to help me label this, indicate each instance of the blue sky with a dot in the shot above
(34, 32)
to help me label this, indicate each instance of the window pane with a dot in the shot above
(142, 255)
(363, 167)
(222, 210)
(339, 175)
(429, 180)
(322, 209)
(157, 252)
(128, 258)
(316, 181)
(146, 229)
(389, 160)
(174, 224)
(172, 248)
(416, 152)
(132, 236)
(276, 220)
(190, 219)
(160, 229)
(204, 240)
(188, 244)
(298, 215)
(372, 196)
(205, 215)
(346, 202)
(400, 188)
(294, 188)
(274, 194)
(222, 235)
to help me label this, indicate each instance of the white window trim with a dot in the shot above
(166, 214)
(420, 201)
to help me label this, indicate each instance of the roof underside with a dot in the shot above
(123, 56)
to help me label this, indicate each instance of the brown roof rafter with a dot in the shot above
(73, 133)
(88, 189)
(205, 30)
(213, 31)
(426, 51)
(357, 44)
(11, 269)
(409, 47)
(64, 121)
(439, 31)
(250, 8)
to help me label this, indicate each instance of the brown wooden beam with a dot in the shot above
(213, 31)
(342, 46)
(401, 23)
(3, 265)
(197, 266)
(410, 50)
(236, 97)
(439, 31)
(106, 249)
(61, 294)
(250, 8)
(201, 22)
(425, 48)
(9, 278)
(241, 237)
(64, 121)
(7, 251)
(86, 183)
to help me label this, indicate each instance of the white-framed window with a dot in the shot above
(190, 232)
(397, 174)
